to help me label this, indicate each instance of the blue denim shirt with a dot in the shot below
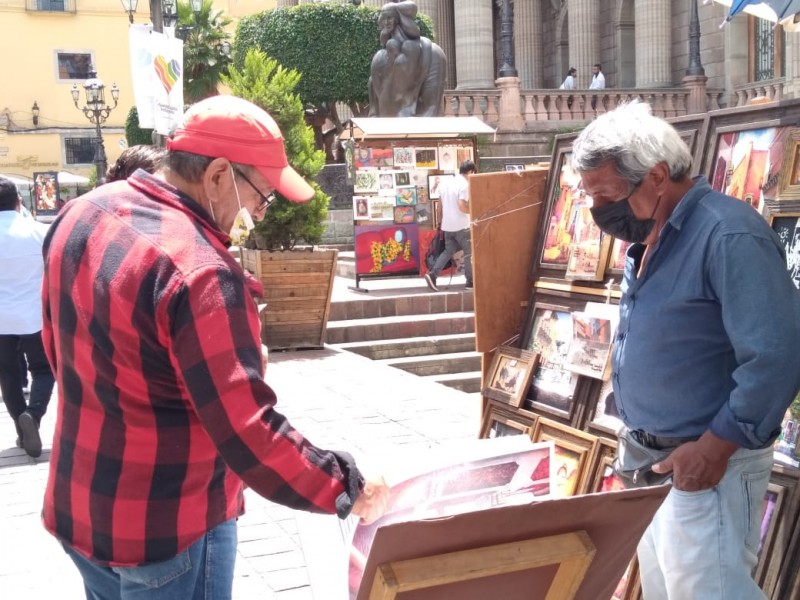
(709, 334)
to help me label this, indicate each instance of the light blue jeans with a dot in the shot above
(202, 572)
(703, 545)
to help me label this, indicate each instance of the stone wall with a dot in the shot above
(339, 225)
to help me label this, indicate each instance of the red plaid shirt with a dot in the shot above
(163, 410)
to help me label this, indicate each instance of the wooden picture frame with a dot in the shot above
(589, 248)
(510, 374)
(789, 180)
(498, 420)
(603, 415)
(617, 256)
(774, 555)
(403, 157)
(574, 454)
(758, 183)
(599, 471)
(555, 236)
(693, 130)
(787, 226)
(435, 182)
(589, 353)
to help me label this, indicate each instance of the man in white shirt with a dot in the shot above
(598, 82)
(454, 197)
(21, 242)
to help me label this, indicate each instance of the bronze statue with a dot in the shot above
(407, 74)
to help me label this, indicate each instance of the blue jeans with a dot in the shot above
(704, 544)
(202, 572)
(11, 380)
(453, 242)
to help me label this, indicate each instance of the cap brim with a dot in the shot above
(287, 182)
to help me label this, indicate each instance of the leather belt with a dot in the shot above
(660, 442)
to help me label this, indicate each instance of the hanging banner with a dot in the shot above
(157, 72)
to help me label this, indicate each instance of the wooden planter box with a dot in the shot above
(297, 291)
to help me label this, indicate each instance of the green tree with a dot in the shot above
(332, 45)
(134, 134)
(264, 82)
(206, 51)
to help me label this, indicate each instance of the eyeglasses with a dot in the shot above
(266, 201)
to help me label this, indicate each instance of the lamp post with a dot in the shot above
(130, 8)
(507, 69)
(695, 67)
(97, 111)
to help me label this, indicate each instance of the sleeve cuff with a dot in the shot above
(726, 426)
(354, 484)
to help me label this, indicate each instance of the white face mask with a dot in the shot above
(243, 222)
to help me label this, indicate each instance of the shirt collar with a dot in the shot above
(689, 202)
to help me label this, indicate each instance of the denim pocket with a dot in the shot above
(157, 574)
(752, 484)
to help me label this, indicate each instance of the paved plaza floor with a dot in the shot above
(337, 399)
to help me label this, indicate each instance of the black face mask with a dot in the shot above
(617, 219)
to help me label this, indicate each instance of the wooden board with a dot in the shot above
(505, 209)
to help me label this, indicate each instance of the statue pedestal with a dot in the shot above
(510, 117)
(697, 101)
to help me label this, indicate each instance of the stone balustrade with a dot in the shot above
(759, 91)
(575, 105)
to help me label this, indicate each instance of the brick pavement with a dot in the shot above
(337, 399)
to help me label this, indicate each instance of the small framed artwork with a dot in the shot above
(447, 159)
(787, 226)
(605, 415)
(381, 208)
(509, 375)
(47, 193)
(404, 214)
(382, 158)
(403, 157)
(402, 179)
(574, 454)
(360, 208)
(406, 196)
(424, 217)
(363, 157)
(463, 153)
(425, 158)
(588, 249)
(499, 421)
(422, 195)
(435, 183)
(386, 183)
(789, 178)
(366, 181)
(590, 350)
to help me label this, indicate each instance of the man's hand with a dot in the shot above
(371, 503)
(698, 465)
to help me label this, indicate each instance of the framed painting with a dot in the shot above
(387, 249)
(363, 157)
(361, 208)
(47, 195)
(604, 416)
(789, 179)
(562, 199)
(406, 196)
(787, 226)
(601, 474)
(744, 149)
(435, 182)
(617, 256)
(590, 350)
(386, 185)
(402, 178)
(548, 332)
(463, 153)
(366, 181)
(381, 208)
(692, 129)
(500, 421)
(588, 250)
(403, 157)
(425, 158)
(382, 157)
(781, 506)
(573, 454)
(404, 214)
(510, 375)
(447, 159)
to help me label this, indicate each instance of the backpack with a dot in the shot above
(435, 249)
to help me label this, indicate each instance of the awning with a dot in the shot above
(67, 178)
(18, 179)
(414, 127)
(784, 12)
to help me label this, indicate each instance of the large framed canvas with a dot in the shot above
(744, 149)
(573, 455)
(387, 249)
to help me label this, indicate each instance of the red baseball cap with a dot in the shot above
(233, 128)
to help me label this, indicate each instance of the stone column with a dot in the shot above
(528, 43)
(584, 38)
(284, 3)
(510, 117)
(474, 44)
(653, 44)
(446, 38)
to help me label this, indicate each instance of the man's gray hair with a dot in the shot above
(634, 141)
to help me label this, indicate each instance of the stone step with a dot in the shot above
(419, 303)
(437, 364)
(418, 346)
(404, 326)
(469, 382)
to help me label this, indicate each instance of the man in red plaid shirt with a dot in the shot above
(163, 412)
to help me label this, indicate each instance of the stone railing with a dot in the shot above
(759, 91)
(576, 105)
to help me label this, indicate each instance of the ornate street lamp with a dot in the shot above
(97, 111)
(130, 7)
(507, 69)
(170, 14)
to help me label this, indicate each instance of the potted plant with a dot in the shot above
(297, 283)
